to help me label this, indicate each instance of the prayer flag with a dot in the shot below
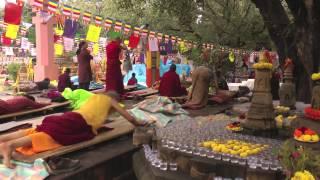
(66, 10)
(12, 31)
(53, 6)
(58, 49)
(98, 20)
(108, 23)
(95, 49)
(12, 13)
(86, 16)
(75, 13)
(93, 33)
(127, 28)
(118, 26)
(38, 4)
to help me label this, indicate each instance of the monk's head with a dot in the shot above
(67, 71)
(133, 74)
(173, 67)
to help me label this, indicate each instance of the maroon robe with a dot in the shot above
(170, 85)
(114, 80)
(64, 82)
(67, 129)
(17, 104)
(84, 69)
(132, 81)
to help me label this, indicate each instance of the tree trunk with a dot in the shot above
(299, 40)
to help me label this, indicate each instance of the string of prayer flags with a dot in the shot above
(98, 20)
(66, 10)
(118, 26)
(153, 44)
(75, 13)
(53, 6)
(12, 13)
(12, 31)
(127, 28)
(114, 34)
(134, 40)
(58, 49)
(108, 24)
(86, 17)
(93, 33)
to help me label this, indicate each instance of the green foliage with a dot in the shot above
(295, 158)
(13, 69)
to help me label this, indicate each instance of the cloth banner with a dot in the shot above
(68, 44)
(153, 44)
(25, 43)
(9, 51)
(93, 33)
(58, 49)
(70, 28)
(12, 13)
(33, 52)
(95, 49)
(5, 41)
(134, 40)
(12, 31)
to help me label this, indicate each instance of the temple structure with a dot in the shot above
(287, 90)
(261, 114)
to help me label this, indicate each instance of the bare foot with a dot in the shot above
(6, 152)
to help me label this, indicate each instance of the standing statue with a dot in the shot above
(261, 115)
(313, 112)
(287, 91)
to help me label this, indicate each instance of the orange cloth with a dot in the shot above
(40, 142)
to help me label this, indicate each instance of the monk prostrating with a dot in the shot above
(170, 84)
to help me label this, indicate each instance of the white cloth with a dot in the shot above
(68, 44)
(153, 44)
(25, 43)
(9, 51)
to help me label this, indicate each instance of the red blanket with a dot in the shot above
(170, 85)
(67, 129)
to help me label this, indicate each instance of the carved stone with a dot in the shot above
(315, 101)
(261, 115)
(287, 91)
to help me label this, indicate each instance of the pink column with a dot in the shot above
(45, 67)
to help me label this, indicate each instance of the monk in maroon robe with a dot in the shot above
(64, 80)
(170, 84)
(114, 80)
(133, 80)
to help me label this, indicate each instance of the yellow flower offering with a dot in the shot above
(234, 147)
(315, 76)
(303, 175)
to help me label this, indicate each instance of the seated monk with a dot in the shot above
(170, 84)
(63, 130)
(64, 80)
(198, 96)
(133, 80)
(19, 103)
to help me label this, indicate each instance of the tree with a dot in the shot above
(292, 25)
